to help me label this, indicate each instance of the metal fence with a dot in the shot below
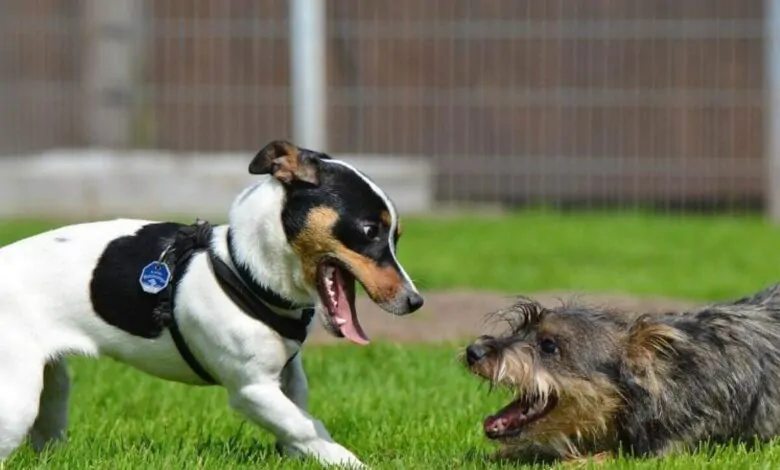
(556, 101)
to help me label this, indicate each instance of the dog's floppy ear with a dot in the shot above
(648, 340)
(286, 162)
(650, 349)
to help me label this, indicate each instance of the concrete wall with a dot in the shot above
(90, 184)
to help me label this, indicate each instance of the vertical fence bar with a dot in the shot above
(308, 73)
(113, 29)
(772, 107)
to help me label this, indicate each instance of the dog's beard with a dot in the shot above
(336, 289)
(553, 415)
(536, 396)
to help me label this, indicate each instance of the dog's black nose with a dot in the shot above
(414, 301)
(475, 353)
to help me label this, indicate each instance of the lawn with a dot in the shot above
(412, 406)
(691, 257)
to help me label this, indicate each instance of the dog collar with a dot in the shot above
(268, 296)
(246, 297)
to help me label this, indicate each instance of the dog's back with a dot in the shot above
(43, 299)
(767, 296)
(720, 379)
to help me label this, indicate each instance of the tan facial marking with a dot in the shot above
(316, 240)
(386, 219)
(381, 283)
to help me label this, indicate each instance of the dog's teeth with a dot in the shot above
(540, 405)
(329, 289)
(340, 321)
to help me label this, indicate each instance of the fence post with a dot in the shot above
(772, 110)
(308, 73)
(113, 38)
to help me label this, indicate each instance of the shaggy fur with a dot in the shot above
(593, 381)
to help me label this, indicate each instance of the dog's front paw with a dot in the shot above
(337, 457)
(340, 457)
(354, 465)
(288, 450)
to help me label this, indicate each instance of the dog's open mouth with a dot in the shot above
(511, 419)
(336, 286)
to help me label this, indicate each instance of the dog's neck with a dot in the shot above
(261, 245)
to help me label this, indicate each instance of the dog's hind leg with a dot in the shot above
(21, 382)
(51, 424)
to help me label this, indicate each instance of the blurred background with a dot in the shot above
(620, 152)
(132, 106)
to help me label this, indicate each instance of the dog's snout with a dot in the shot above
(414, 302)
(475, 353)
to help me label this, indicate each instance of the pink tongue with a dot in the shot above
(508, 416)
(346, 311)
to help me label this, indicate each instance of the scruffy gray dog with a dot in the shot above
(589, 382)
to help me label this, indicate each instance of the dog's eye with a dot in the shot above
(548, 346)
(371, 231)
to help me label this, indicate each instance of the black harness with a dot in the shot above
(252, 298)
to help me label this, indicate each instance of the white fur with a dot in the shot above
(46, 313)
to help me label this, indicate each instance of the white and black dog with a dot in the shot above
(227, 305)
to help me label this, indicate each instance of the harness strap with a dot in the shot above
(247, 280)
(189, 240)
(251, 304)
(187, 355)
(250, 297)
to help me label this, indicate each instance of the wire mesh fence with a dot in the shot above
(584, 102)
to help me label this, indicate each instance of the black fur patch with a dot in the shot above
(115, 291)
(355, 203)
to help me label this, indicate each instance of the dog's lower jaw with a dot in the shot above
(397, 306)
(325, 320)
(296, 289)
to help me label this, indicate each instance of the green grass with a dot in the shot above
(413, 407)
(692, 257)
(396, 407)
(688, 257)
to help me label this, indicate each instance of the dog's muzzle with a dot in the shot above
(405, 302)
(475, 353)
(413, 302)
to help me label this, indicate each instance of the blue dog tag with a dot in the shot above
(155, 277)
